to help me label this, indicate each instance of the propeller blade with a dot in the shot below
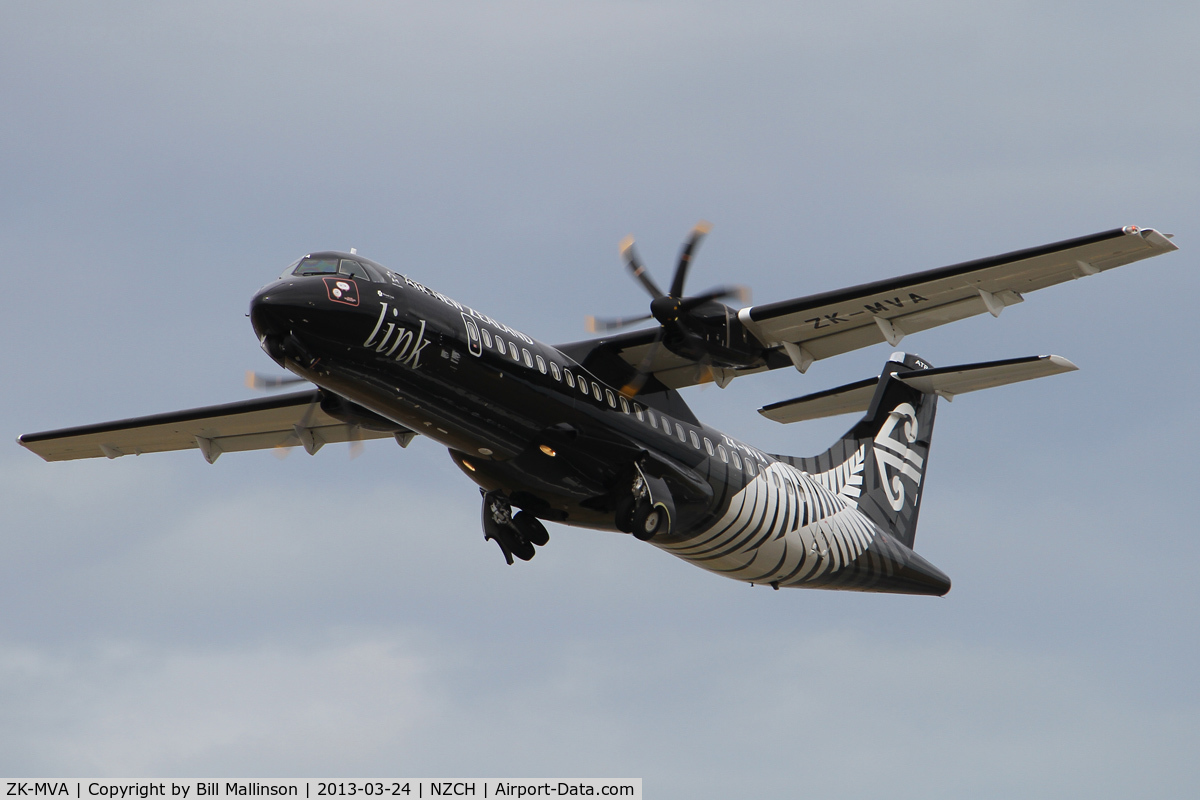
(742, 293)
(642, 374)
(600, 324)
(260, 382)
(685, 257)
(638, 269)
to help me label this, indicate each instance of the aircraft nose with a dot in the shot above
(274, 310)
(277, 312)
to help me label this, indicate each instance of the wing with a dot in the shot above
(806, 329)
(282, 421)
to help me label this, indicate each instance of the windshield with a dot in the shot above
(329, 265)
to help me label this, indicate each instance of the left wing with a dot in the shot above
(282, 421)
(806, 329)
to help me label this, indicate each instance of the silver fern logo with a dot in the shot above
(893, 453)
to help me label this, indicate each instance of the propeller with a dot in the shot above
(265, 383)
(670, 309)
(260, 382)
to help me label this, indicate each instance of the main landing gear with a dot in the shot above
(645, 510)
(516, 534)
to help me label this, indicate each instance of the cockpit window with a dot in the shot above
(330, 265)
(317, 266)
(290, 268)
(353, 269)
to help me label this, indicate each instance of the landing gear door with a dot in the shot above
(474, 343)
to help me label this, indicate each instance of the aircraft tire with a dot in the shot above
(521, 547)
(531, 528)
(626, 505)
(648, 520)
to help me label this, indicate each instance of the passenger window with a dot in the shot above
(650, 416)
(570, 380)
(637, 410)
(527, 358)
(583, 387)
(596, 393)
(541, 362)
(737, 462)
(695, 439)
(708, 446)
(487, 338)
(624, 405)
(749, 467)
(679, 432)
(500, 345)
(724, 455)
(512, 351)
(554, 373)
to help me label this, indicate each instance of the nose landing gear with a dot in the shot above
(516, 535)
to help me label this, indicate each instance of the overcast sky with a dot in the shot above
(327, 617)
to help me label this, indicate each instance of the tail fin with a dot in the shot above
(896, 430)
(894, 435)
(880, 463)
(893, 438)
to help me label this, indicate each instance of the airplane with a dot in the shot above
(596, 434)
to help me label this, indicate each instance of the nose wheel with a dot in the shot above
(515, 534)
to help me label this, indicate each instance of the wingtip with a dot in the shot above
(1063, 364)
(626, 244)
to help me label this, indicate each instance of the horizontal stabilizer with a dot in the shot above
(950, 381)
(945, 382)
(829, 403)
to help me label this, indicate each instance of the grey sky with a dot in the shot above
(326, 617)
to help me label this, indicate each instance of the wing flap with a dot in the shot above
(262, 423)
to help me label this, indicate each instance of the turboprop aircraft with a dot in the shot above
(595, 434)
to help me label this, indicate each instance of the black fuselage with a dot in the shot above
(540, 431)
(501, 401)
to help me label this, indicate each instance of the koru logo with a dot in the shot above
(342, 290)
(892, 451)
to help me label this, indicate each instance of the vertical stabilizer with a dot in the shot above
(894, 437)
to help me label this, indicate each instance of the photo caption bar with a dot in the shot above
(406, 788)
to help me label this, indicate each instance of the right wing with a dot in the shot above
(806, 329)
(823, 325)
(281, 421)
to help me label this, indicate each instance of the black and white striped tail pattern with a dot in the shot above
(787, 527)
(845, 519)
